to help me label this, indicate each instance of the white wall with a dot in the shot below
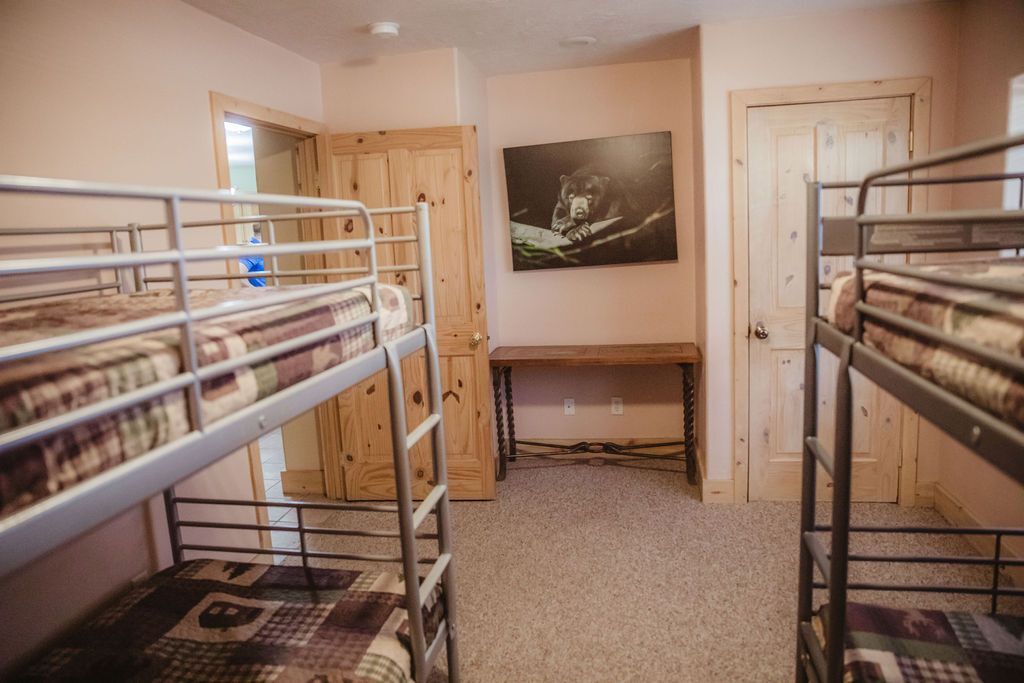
(613, 304)
(896, 42)
(415, 90)
(118, 90)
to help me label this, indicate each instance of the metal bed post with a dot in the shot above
(173, 524)
(838, 558)
(135, 242)
(809, 469)
(272, 239)
(842, 465)
(444, 532)
(378, 324)
(187, 342)
(119, 279)
(403, 493)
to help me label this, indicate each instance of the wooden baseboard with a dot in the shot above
(302, 481)
(714, 490)
(924, 494)
(959, 515)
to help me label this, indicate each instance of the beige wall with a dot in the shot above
(991, 54)
(613, 304)
(405, 91)
(118, 90)
(275, 174)
(700, 276)
(905, 41)
(473, 110)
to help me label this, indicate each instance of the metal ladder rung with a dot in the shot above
(415, 435)
(818, 552)
(814, 651)
(821, 453)
(428, 504)
(440, 638)
(433, 576)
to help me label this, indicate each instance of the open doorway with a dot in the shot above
(265, 160)
(261, 150)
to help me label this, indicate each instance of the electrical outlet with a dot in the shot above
(616, 405)
(569, 406)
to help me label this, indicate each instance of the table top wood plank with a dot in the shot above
(596, 354)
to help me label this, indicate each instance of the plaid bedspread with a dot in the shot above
(54, 384)
(992, 320)
(206, 620)
(903, 646)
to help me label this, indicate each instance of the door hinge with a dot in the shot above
(910, 140)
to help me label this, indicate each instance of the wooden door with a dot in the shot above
(786, 146)
(399, 168)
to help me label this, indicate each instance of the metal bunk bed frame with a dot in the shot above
(999, 442)
(27, 534)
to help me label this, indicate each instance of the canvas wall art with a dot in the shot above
(591, 202)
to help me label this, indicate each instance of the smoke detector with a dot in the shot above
(383, 29)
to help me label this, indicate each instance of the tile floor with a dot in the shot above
(272, 459)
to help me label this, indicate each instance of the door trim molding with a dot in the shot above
(918, 89)
(225, 108)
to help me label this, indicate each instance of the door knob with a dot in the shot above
(475, 340)
(760, 331)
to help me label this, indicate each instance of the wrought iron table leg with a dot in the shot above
(511, 416)
(688, 423)
(499, 425)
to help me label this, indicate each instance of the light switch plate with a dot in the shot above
(616, 405)
(569, 406)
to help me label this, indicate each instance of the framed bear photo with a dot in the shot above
(591, 202)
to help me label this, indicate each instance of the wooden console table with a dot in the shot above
(504, 358)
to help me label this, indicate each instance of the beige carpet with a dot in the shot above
(581, 572)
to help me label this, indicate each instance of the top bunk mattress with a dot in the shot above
(992, 320)
(53, 384)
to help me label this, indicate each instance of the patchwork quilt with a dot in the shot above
(207, 620)
(992, 320)
(890, 645)
(57, 383)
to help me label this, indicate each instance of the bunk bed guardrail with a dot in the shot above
(995, 439)
(33, 531)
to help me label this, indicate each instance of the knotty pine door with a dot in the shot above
(399, 168)
(786, 146)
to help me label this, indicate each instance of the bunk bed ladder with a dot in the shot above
(442, 572)
(808, 470)
(812, 661)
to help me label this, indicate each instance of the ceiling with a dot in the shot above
(499, 36)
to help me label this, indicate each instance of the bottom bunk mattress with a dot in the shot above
(51, 385)
(207, 620)
(885, 644)
(985, 318)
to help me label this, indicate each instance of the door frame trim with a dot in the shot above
(919, 90)
(224, 108)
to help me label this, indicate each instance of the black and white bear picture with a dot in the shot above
(591, 202)
(585, 198)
